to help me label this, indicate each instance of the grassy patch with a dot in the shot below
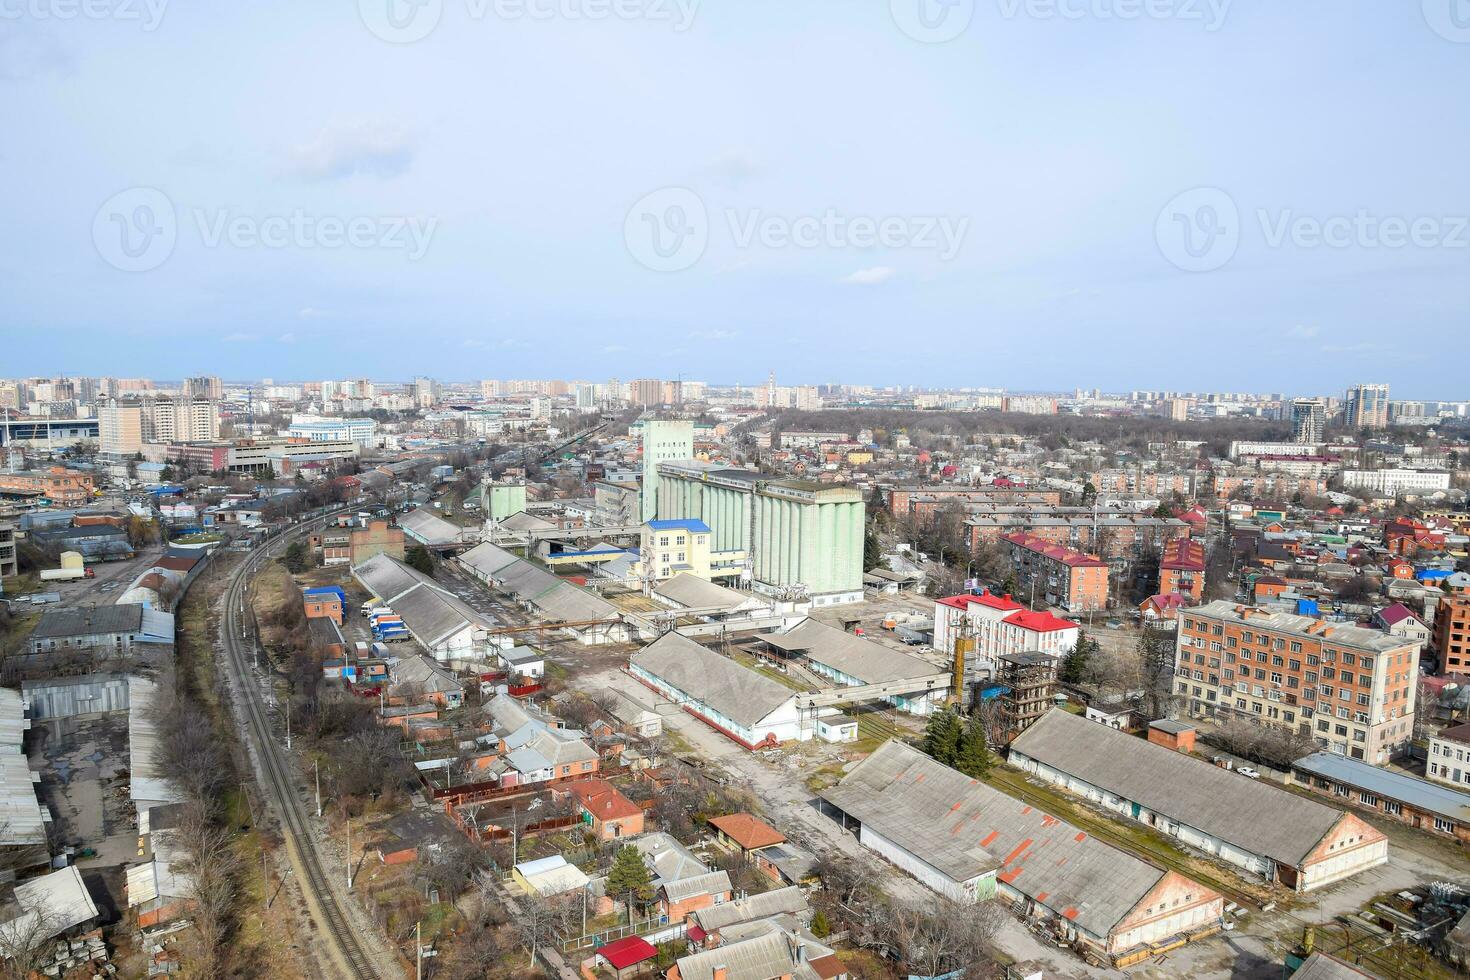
(754, 663)
(15, 633)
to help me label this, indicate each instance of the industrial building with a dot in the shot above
(967, 840)
(805, 539)
(663, 440)
(117, 629)
(432, 531)
(584, 615)
(1252, 825)
(439, 620)
(753, 710)
(853, 661)
(1407, 799)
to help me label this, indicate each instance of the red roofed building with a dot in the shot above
(1162, 608)
(609, 813)
(1182, 569)
(627, 953)
(999, 626)
(1062, 577)
(746, 832)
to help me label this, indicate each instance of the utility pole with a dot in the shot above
(418, 945)
(348, 818)
(318, 788)
(288, 723)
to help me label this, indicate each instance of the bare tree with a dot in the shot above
(25, 941)
(539, 922)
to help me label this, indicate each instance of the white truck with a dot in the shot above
(66, 574)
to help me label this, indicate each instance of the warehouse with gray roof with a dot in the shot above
(1252, 825)
(751, 709)
(968, 840)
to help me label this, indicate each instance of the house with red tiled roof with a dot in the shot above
(1163, 608)
(608, 813)
(746, 832)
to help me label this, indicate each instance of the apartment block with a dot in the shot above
(1452, 634)
(120, 428)
(1062, 577)
(1182, 569)
(1348, 687)
(1109, 535)
(1449, 757)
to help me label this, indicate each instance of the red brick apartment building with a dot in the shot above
(1349, 687)
(1182, 569)
(1452, 634)
(1110, 535)
(1070, 579)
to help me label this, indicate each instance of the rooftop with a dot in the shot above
(1418, 793)
(1254, 816)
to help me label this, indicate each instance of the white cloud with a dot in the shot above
(716, 335)
(1303, 331)
(870, 277)
(312, 313)
(362, 149)
(614, 349)
(287, 338)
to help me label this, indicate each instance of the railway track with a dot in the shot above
(274, 770)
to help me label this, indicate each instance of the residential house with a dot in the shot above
(1407, 799)
(607, 813)
(424, 679)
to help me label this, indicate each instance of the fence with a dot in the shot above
(656, 929)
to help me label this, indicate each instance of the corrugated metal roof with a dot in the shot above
(965, 827)
(1252, 815)
(693, 592)
(1418, 793)
(867, 660)
(89, 620)
(722, 684)
(147, 782)
(60, 897)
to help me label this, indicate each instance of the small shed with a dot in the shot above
(627, 953)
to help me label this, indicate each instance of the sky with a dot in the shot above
(1035, 194)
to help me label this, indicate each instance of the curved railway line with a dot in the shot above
(334, 928)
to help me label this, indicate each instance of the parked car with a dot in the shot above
(1248, 772)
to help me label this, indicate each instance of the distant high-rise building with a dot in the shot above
(167, 420)
(1308, 420)
(205, 386)
(647, 392)
(425, 392)
(1367, 406)
(120, 428)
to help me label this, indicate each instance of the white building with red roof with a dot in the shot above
(999, 625)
